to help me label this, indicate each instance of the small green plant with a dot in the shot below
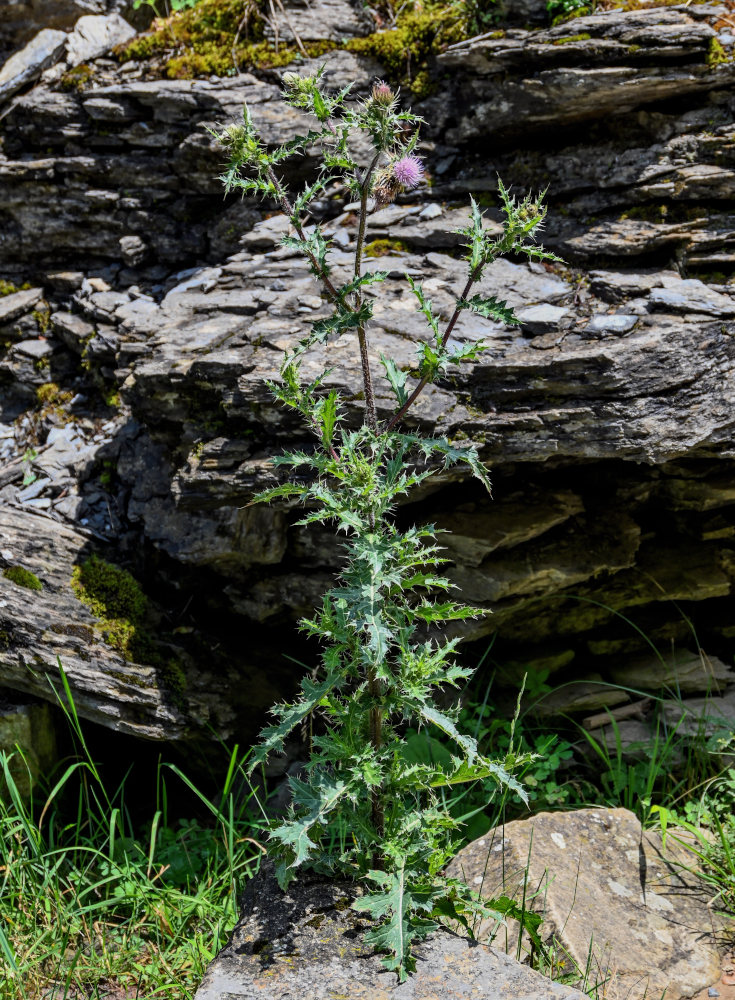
(29, 476)
(383, 655)
(560, 10)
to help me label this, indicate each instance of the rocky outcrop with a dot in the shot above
(22, 19)
(158, 308)
(308, 942)
(616, 903)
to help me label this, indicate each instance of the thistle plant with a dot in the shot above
(364, 809)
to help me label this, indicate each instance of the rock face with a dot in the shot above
(158, 307)
(22, 19)
(309, 943)
(43, 623)
(27, 734)
(27, 65)
(612, 898)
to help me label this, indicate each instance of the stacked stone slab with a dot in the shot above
(606, 418)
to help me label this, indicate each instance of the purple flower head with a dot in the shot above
(408, 171)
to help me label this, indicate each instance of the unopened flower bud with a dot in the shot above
(382, 94)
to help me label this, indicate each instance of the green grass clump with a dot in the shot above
(96, 904)
(23, 577)
(115, 597)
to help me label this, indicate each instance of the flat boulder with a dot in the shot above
(614, 901)
(309, 943)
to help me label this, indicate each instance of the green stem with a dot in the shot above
(376, 738)
(296, 223)
(371, 416)
(424, 381)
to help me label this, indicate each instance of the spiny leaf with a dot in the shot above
(464, 773)
(285, 490)
(447, 725)
(290, 715)
(313, 803)
(490, 308)
(397, 931)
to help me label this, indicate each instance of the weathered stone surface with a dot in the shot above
(308, 22)
(614, 900)
(22, 19)
(40, 628)
(94, 35)
(684, 671)
(701, 717)
(15, 305)
(585, 695)
(27, 731)
(602, 64)
(25, 66)
(308, 943)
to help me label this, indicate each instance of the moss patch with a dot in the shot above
(115, 597)
(52, 401)
(384, 248)
(421, 31)
(582, 37)
(22, 577)
(77, 78)
(716, 55)
(8, 288)
(199, 42)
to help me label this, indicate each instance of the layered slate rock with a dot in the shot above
(28, 64)
(614, 899)
(43, 625)
(310, 943)
(606, 418)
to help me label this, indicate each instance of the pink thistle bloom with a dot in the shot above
(408, 171)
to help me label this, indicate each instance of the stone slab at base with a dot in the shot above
(308, 944)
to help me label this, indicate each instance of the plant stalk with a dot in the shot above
(424, 381)
(371, 416)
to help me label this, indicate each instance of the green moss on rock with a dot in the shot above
(421, 31)
(22, 577)
(383, 248)
(115, 597)
(8, 288)
(716, 55)
(200, 41)
(582, 37)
